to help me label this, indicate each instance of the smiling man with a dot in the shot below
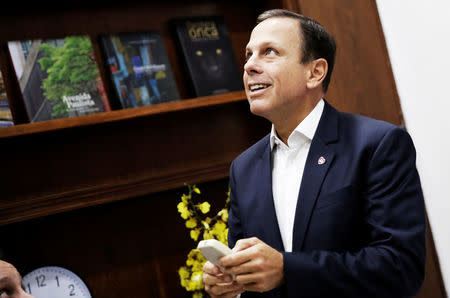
(328, 204)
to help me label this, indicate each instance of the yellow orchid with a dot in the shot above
(191, 223)
(204, 207)
(208, 228)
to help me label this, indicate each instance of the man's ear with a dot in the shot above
(317, 72)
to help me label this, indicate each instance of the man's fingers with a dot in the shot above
(239, 257)
(224, 289)
(211, 269)
(245, 268)
(209, 279)
(245, 243)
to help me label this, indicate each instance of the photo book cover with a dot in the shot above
(59, 78)
(139, 68)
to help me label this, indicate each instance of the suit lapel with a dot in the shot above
(268, 215)
(319, 159)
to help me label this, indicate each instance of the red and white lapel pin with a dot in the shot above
(321, 160)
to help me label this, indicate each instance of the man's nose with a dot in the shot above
(252, 66)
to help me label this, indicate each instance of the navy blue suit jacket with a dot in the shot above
(359, 228)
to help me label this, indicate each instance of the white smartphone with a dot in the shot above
(213, 250)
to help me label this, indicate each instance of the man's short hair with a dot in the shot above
(316, 41)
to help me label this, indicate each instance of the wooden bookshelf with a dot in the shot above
(118, 174)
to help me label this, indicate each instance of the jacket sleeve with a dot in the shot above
(392, 263)
(234, 223)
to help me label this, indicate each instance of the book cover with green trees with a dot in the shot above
(59, 78)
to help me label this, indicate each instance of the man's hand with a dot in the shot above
(219, 284)
(257, 266)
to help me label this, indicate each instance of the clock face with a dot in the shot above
(54, 282)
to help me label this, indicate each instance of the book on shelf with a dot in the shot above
(139, 68)
(59, 78)
(204, 44)
(6, 118)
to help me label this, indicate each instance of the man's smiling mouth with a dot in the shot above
(256, 87)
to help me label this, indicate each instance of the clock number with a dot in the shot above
(40, 280)
(29, 288)
(57, 280)
(72, 290)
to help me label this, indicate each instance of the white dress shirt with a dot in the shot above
(288, 163)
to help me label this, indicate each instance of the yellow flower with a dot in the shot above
(195, 233)
(195, 189)
(184, 211)
(183, 272)
(191, 223)
(197, 280)
(192, 273)
(223, 214)
(204, 207)
(219, 231)
(185, 198)
(194, 254)
(207, 235)
(205, 224)
(198, 266)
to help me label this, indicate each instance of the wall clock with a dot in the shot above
(54, 282)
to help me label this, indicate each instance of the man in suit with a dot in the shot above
(329, 204)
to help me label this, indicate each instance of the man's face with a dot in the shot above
(274, 79)
(11, 282)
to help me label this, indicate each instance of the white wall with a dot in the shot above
(417, 35)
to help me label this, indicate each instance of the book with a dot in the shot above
(206, 50)
(139, 68)
(6, 118)
(59, 78)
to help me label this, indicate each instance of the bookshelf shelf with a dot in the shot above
(123, 114)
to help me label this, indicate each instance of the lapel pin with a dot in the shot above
(321, 160)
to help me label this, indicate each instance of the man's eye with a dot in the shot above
(270, 51)
(4, 293)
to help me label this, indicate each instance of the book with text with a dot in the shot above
(139, 68)
(59, 78)
(208, 55)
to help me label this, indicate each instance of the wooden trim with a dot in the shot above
(118, 115)
(30, 208)
(292, 5)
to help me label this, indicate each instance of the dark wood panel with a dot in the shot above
(433, 285)
(362, 80)
(56, 171)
